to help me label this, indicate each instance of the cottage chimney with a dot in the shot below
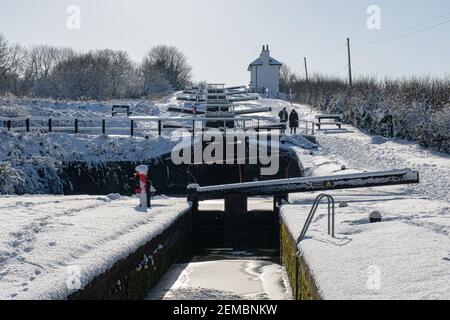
(265, 53)
(265, 72)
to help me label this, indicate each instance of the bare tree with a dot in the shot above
(155, 81)
(119, 68)
(12, 58)
(287, 78)
(43, 58)
(61, 72)
(40, 63)
(167, 64)
(97, 74)
(76, 77)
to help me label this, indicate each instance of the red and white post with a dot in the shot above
(142, 175)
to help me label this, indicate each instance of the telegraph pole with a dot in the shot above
(350, 82)
(306, 71)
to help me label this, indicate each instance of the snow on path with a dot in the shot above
(361, 151)
(43, 238)
(364, 152)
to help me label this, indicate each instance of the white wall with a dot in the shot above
(266, 75)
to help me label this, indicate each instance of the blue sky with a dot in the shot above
(221, 38)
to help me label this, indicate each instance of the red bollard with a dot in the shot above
(141, 190)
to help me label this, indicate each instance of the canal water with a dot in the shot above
(224, 276)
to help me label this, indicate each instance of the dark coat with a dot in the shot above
(293, 119)
(283, 115)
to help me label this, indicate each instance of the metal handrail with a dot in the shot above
(125, 118)
(331, 214)
(9, 124)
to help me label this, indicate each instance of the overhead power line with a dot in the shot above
(334, 50)
(407, 34)
(411, 27)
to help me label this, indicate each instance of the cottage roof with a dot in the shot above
(259, 61)
(272, 62)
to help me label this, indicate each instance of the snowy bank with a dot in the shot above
(407, 255)
(52, 245)
(30, 162)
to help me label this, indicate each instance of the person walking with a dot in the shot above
(283, 115)
(293, 121)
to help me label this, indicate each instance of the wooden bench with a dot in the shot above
(335, 119)
(121, 109)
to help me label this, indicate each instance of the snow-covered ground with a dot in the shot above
(22, 107)
(407, 256)
(232, 279)
(29, 162)
(45, 241)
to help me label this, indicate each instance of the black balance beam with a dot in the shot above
(306, 184)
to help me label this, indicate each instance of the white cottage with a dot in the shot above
(265, 74)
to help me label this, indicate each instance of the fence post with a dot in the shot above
(391, 118)
(50, 125)
(103, 126)
(159, 127)
(76, 125)
(132, 128)
(27, 125)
